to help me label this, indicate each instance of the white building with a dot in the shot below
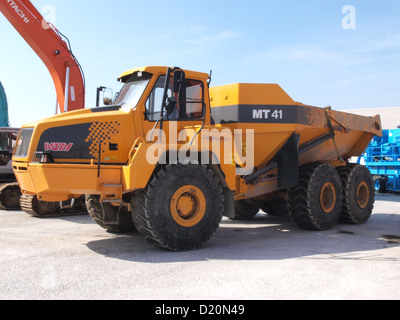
(390, 116)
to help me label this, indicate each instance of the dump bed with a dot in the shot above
(275, 117)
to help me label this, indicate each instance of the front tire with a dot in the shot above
(181, 207)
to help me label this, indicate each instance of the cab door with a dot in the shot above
(184, 106)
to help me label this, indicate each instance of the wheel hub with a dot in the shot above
(362, 195)
(188, 206)
(328, 197)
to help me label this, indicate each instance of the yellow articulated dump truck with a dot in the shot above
(171, 156)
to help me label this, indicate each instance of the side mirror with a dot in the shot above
(107, 101)
(107, 96)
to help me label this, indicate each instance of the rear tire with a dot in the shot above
(358, 194)
(316, 202)
(181, 207)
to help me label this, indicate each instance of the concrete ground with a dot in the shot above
(267, 258)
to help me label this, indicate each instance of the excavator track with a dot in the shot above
(41, 209)
(10, 194)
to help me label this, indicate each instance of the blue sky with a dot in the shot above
(300, 45)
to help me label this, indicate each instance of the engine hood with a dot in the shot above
(83, 136)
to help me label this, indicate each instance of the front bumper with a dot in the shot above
(53, 182)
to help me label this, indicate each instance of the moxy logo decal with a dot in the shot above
(58, 146)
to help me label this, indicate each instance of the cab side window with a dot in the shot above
(194, 99)
(189, 109)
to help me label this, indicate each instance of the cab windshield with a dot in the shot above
(132, 91)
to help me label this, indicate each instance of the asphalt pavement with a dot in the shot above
(268, 258)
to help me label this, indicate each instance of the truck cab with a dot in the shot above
(78, 152)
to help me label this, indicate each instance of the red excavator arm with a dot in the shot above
(48, 44)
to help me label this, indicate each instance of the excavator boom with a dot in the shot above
(48, 44)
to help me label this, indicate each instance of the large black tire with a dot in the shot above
(380, 185)
(245, 211)
(358, 194)
(125, 223)
(315, 204)
(181, 207)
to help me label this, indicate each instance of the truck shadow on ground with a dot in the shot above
(266, 238)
